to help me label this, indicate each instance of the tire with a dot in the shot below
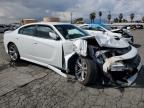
(86, 71)
(13, 52)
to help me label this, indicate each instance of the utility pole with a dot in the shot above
(110, 15)
(71, 17)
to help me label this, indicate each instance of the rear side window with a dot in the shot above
(99, 29)
(43, 31)
(28, 30)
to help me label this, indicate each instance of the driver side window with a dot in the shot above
(43, 31)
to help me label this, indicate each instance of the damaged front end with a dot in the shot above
(118, 60)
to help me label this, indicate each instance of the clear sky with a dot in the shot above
(14, 9)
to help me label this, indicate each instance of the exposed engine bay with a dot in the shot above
(117, 60)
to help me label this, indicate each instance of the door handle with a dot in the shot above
(35, 43)
(17, 38)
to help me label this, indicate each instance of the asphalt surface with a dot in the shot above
(54, 91)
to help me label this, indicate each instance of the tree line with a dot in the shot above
(119, 19)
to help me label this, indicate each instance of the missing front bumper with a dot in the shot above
(129, 79)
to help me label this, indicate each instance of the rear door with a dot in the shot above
(26, 42)
(48, 50)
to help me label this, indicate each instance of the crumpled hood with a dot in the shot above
(108, 33)
(114, 35)
(106, 41)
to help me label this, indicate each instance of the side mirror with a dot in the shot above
(90, 28)
(54, 36)
(103, 31)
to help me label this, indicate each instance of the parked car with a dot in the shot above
(126, 33)
(14, 26)
(139, 26)
(3, 28)
(96, 29)
(66, 48)
(134, 27)
(126, 27)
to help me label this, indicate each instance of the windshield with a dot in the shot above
(107, 27)
(70, 31)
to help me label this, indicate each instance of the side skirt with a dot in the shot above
(47, 65)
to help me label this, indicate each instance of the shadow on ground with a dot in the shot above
(3, 67)
(12, 64)
(140, 80)
(137, 45)
(139, 83)
(21, 63)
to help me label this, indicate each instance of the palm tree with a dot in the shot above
(92, 16)
(132, 15)
(100, 14)
(120, 17)
(79, 20)
(116, 20)
(125, 20)
(109, 17)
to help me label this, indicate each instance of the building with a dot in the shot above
(51, 19)
(27, 21)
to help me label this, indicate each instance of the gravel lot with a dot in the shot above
(52, 90)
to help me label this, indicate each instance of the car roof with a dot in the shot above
(47, 23)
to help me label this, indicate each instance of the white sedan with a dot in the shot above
(96, 29)
(66, 48)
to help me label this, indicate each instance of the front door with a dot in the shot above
(48, 50)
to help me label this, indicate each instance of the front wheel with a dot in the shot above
(86, 71)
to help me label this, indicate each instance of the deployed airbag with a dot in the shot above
(80, 47)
